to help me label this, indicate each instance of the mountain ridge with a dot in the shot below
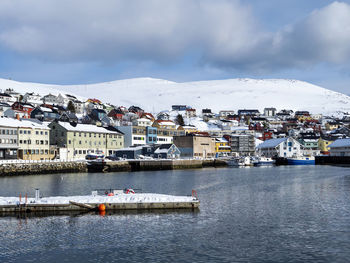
(229, 94)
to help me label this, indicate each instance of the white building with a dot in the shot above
(340, 147)
(281, 147)
(142, 122)
(32, 98)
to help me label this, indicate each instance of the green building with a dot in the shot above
(75, 142)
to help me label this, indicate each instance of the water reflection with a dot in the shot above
(273, 214)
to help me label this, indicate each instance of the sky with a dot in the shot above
(86, 41)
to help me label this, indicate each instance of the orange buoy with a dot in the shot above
(101, 207)
(110, 194)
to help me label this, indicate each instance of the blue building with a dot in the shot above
(151, 135)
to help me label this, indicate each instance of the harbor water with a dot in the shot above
(254, 214)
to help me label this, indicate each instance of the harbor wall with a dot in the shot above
(12, 169)
(333, 160)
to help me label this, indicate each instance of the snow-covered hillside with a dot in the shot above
(156, 94)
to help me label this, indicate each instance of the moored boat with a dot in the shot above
(301, 160)
(264, 161)
(240, 161)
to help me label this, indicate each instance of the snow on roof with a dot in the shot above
(165, 150)
(340, 143)
(144, 119)
(14, 123)
(221, 140)
(130, 149)
(271, 143)
(84, 128)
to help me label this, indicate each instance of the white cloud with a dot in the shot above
(223, 32)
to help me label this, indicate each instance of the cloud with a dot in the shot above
(109, 30)
(223, 32)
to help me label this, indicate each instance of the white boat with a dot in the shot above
(264, 161)
(240, 161)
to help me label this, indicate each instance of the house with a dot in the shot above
(33, 140)
(280, 147)
(49, 99)
(164, 124)
(222, 147)
(195, 146)
(15, 96)
(330, 126)
(248, 112)
(68, 117)
(190, 113)
(116, 114)
(25, 139)
(178, 107)
(340, 147)
(190, 129)
(163, 115)
(142, 122)
(23, 107)
(44, 114)
(78, 140)
(129, 152)
(269, 112)
(32, 98)
(8, 139)
(137, 110)
(225, 113)
(167, 151)
(323, 143)
(5, 98)
(3, 107)
(284, 114)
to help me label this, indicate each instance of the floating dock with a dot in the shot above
(119, 201)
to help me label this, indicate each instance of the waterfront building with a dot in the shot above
(281, 147)
(222, 147)
(340, 147)
(243, 144)
(33, 141)
(195, 146)
(8, 139)
(81, 139)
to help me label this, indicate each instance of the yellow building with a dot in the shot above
(190, 129)
(330, 126)
(323, 145)
(222, 146)
(32, 138)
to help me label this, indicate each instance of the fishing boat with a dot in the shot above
(240, 161)
(301, 160)
(263, 161)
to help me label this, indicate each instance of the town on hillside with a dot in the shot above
(63, 127)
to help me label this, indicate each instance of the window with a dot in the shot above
(41, 132)
(37, 132)
(69, 142)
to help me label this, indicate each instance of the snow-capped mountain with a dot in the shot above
(155, 94)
